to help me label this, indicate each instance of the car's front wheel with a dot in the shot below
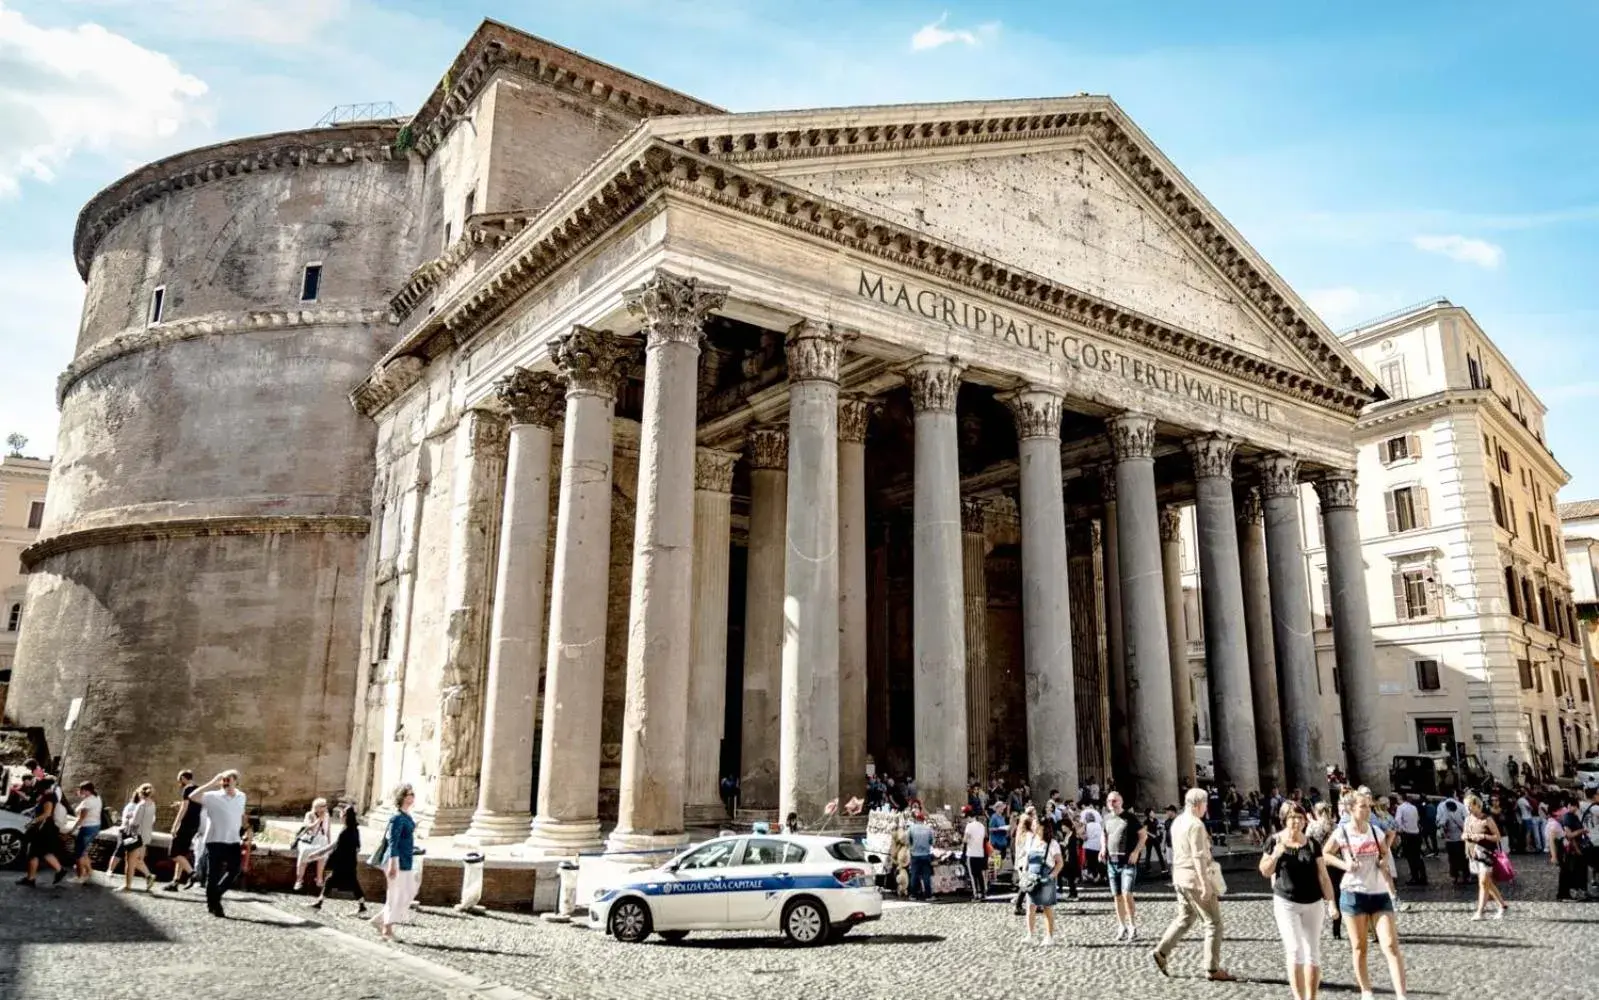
(805, 922)
(630, 921)
(10, 847)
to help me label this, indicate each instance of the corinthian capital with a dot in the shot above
(713, 470)
(974, 516)
(854, 414)
(1037, 412)
(814, 351)
(592, 361)
(1171, 522)
(535, 398)
(674, 308)
(1279, 476)
(935, 383)
(1213, 456)
(768, 448)
(1132, 435)
(1337, 490)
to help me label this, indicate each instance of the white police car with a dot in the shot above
(811, 888)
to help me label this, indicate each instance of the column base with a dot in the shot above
(554, 838)
(651, 849)
(711, 814)
(445, 821)
(491, 828)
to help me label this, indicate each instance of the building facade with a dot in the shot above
(1474, 619)
(1580, 522)
(23, 482)
(779, 444)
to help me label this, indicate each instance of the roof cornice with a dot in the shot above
(1465, 400)
(649, 165)
(761, 138)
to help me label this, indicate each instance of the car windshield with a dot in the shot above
(716, 854)
(846, 850)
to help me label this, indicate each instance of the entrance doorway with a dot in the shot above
(1435, 734)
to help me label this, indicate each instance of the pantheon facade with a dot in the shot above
(789, 445)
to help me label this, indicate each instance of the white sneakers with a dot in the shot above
(1049, 941)
(1127, 932)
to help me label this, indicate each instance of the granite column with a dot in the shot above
(516, 630)
(974, 592)
(1257, 626)
(939, 643)
(1352, 642)
(574, 675)
(767, 451)
(650, 805)
(713, 517)
(1182, 681)
(1294, 641)
(1120, 736)
(1050, 678)
(854, 413)
(1143, 599)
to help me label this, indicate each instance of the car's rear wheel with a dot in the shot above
(673, 937)
(10, 847)
(630, 921)
(805, 922)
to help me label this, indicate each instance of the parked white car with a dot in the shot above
(1588, 773)
(811, 888)
(11, 826)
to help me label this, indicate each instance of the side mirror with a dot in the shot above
(671, 867)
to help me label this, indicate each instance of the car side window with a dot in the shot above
(793, 854)
(716, 854)
(765, 852)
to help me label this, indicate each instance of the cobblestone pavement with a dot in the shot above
(1543, 949)
(89, 942)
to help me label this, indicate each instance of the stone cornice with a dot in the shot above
(147, 338)
(638, 170)
(496, 46)
(191, 527)
(481, 232)
(386, 384)
(758, 139)
(1387, 414)
(342, 144)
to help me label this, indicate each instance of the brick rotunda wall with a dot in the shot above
(198, 579)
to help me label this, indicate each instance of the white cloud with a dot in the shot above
(260, 22)
(935, 35)
(1339, 306)
(1464, 249)
(63, 90)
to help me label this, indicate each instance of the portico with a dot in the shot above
(888, 394)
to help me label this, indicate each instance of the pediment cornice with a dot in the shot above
(649, 165)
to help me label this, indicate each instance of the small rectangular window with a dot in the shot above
(1524, 668)
(1498, 499)
(36, 514)
(1556, 680)
(1392, 376)
(158, 302)
(1394, 449)
(1427, 675)
(1504, 459)
(1582, 687)
(471, 206)
(311, 282)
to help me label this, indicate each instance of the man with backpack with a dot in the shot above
(45, 831)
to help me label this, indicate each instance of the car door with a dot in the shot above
(693, 893)
(763, 881)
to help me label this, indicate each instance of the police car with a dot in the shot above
(809, 887)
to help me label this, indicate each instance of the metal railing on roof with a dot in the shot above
(371, 111)
(1395, 314)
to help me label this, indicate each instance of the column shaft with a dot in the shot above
(478, 473)
(809, 730)
(1182, 684)
(713, 517)
(574, 673)
(1046, 599)
(1356, 657)
(1262, 658)
(853, 415)
(1148, 663)
(974, 590)
(763, 616)
(1232, 716)
(1120, 736)
(939, 645)
(516, 631)
(1294, 641)
(650, 804)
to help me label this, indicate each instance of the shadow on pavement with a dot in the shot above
(64, 914)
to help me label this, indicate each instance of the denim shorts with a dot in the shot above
(82, 839)
(1365, 904)
(1122, 877)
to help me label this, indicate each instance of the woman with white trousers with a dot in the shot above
(1301, 898)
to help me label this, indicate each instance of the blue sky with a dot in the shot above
(1377, 154)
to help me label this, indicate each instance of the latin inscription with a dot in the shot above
(1075, 350)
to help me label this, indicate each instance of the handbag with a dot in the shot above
(1218, 884)
(1503, 870)
(131, 841)
(380, 856)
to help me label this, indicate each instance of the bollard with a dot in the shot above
(567, 902)
(471, 882)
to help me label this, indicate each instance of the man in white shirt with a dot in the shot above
(975, 834)
(1530, 823)
(1408, 818)
(222, 806)
(1196, 897)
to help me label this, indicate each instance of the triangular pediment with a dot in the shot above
(1067, 189)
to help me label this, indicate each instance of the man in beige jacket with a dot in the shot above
(1190, 877)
